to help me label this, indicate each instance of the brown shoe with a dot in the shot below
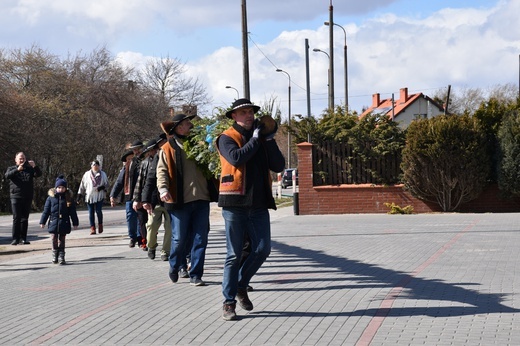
(228, 312)
(92, 230)
(100, 228)
(243, 299)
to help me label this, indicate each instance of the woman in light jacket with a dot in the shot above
(93, 188)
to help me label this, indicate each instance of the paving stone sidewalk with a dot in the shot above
(430, 279)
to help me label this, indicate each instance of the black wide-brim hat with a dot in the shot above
(241, 103)
(169, 126)
(126, 154)
(136, 144)
(154, 143)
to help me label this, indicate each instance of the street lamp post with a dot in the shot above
(230, 87)
(331, 58)
(288, 121)
(331, 101)
(345, 63)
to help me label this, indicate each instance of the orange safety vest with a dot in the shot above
(232, 179)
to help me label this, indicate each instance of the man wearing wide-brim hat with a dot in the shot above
(151, 202)
(169, 126)
(125, 183)
(154, 143)
(241, 103)
(186, 194)
(247, 156)
(145, 157)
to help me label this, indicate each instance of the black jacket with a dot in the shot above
(150, 193)
(21, 182)
(60, 210)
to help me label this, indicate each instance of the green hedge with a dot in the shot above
(446, 160)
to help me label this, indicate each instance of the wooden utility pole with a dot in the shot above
(245, 51)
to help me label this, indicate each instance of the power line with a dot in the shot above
(319, 94)
(265, 56)
(276, 67)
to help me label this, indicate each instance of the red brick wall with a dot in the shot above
(353, 199)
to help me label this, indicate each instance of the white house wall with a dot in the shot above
(420, 108)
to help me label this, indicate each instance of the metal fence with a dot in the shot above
(337, 163)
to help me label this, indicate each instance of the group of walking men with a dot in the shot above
(160, 184)
(166, 183)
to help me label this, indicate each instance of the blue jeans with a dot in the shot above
(131, 221)
(97, 208)
(239, 222)
(190, 226)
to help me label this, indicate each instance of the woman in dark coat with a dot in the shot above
(60, 210)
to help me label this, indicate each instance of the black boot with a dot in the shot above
(55, 256)
(62, 257)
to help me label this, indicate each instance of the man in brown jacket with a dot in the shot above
(186, 194)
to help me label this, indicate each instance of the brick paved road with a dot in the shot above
(435, 279)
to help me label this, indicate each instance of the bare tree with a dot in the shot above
(467, 100)
(64, 113)
(167, 77)
(504, 92)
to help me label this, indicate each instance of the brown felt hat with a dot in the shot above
(169, 126)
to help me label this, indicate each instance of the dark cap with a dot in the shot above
(60, 181)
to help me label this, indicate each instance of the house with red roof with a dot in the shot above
(405, 109)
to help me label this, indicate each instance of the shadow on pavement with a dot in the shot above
(364, 275)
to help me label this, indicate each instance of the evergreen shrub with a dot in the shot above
(509, 141)
(446, 160)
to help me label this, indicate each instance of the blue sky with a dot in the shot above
(421, 45)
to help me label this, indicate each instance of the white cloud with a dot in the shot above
(132, 60)
(476, 47)
(112, 14)
(119, 16)
(457, 47)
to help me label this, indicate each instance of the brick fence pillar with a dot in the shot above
(305, 177)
